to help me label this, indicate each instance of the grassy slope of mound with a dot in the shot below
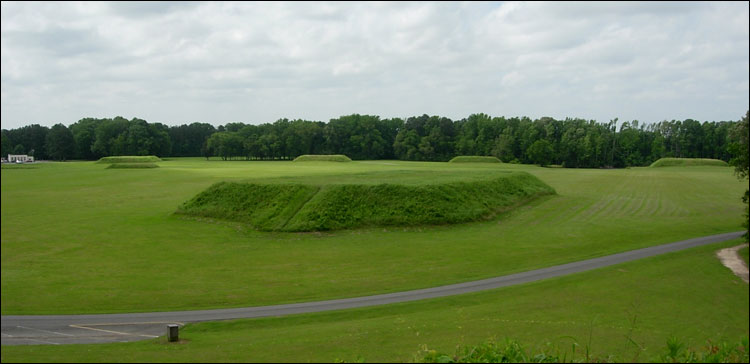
(322, 158)
(132, 165)
(474, 159)
(265, 207)
(130, 159)
(669, 162)
(299, 207)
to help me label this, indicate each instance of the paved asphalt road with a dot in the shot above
(76, 329)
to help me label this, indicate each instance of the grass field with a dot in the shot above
(77, 238)
(621, 313)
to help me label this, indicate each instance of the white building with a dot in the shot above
(23, 158)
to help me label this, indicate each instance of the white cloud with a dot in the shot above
(256, 62)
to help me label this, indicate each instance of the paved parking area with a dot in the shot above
(82, 333)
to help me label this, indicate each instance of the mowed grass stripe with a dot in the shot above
(629, 200)
(653, 204)
(622, 203)
(639, 201)
(596, 207)
(639, 204)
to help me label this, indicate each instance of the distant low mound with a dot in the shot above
(132, 165)
(303, 207)
(130, 159)
(322, 158)
(687, 162)
(474, 159)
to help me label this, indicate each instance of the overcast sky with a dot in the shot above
(179, 63)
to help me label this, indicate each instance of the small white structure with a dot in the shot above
(19, 158)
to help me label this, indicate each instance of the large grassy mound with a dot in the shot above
(132, 165)
(474, 159)
(688, 162)
(311, 207)
(130, 159)
(322, 158)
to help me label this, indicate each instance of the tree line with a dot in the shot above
(571, 142)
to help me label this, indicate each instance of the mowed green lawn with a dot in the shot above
(621, 313)
(79, 238)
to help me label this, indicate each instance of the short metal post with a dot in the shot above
(173, 332)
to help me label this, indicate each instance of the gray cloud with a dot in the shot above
(256, 62)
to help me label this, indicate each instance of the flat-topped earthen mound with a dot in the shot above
(688, 162)
(129, 159)
(313, 205)
(474, 159)
(322, 158)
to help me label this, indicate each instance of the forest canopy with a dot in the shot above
(571, 142)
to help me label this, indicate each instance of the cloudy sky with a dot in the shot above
(179, 63)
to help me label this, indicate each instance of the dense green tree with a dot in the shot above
(226, 145)
(504, 146)
(138, 139)
(741, 161)
(110, 137)
(189, 140)
(739, 147)
(573, 142)
(161, 144)
(487, 131)
(234, 127)
(60, 144)
(406, 145)
(357, 136)
(389, 129)
(32, 138)
(630, 143)
(303, 137)
(540, 152)
(572, 147)
(6, 146)
(119, 136)
(250, 142)
(84, 134)
(425, 137)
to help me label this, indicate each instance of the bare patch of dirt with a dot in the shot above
(732, 260)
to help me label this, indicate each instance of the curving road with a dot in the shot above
(77, 329)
